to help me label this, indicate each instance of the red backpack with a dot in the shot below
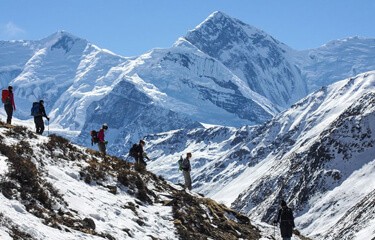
(5, 95)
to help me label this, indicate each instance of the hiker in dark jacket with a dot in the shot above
(140, 154)
(286, 220)
(186, 168)
(38, 118)
(9, 105)
(102, 142)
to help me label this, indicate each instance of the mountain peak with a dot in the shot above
(218, 15)
(217, 19)
(64, 33)
(354, 40)
(58, 35)
(242, 47)
(219, 27)
(62, 40)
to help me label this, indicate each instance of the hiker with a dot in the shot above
(9, 105)
(186, 168)
(139, 154)
(102, 143)
(286, 220)
(38, 111)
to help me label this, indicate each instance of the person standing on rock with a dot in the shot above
(286, 220)
(8, 101)
(184, 165)
(38, 114)
(101, 141)
(141, 154)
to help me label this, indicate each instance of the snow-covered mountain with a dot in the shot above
(336, 60)
(165, 89)
(316, 155)
(176, 88)
(66, 71)
(223, 72)
(263, 63)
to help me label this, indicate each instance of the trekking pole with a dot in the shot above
(48, 127)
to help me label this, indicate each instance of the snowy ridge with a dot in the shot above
(310, 155)
(81, 200)
(337, 60)
(51, 189)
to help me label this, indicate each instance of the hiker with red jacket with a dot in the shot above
(102, 143)
(9, 105)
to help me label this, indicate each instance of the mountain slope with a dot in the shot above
(51, 189)
(306, 155)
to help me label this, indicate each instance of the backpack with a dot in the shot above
(180, 164)
(94, 137)
(5, 95)
(35, 109)
(133, 151)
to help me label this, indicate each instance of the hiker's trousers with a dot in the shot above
(9, 110)
(187, 178)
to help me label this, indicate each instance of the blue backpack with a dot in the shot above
(35, 110)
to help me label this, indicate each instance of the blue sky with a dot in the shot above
(132, 27)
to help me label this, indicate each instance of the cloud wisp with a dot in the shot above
(11, 30)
